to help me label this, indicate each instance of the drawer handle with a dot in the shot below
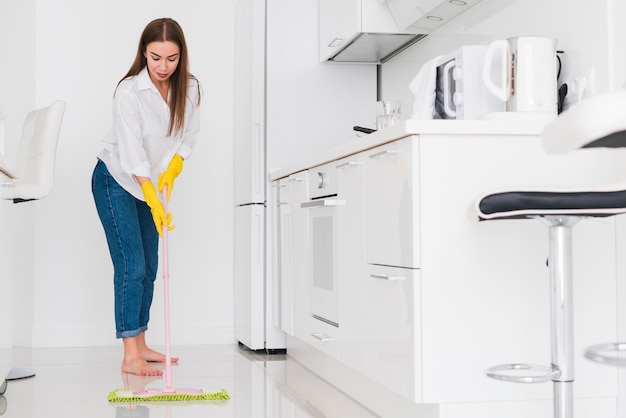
(323, 203)
(386, 153)
(322, 337)
(388, 277)
(295, 180)
(349, 164)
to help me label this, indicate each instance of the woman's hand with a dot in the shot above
(173, 170)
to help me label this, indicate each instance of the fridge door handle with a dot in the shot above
(257, 153)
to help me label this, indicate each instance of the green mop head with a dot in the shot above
(123, 395)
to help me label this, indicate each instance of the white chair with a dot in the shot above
(33, 176)
(34, 170)
(599, 121)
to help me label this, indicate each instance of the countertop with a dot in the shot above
(494, 124)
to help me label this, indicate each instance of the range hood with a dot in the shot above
(385, 28)
(376, 48)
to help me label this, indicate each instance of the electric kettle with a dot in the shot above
(528, 81)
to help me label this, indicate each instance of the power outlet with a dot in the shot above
(580, 88)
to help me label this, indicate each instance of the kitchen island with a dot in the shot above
(427, 296)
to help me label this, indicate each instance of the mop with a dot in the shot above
(169, 393)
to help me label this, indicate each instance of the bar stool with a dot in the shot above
(599, 121)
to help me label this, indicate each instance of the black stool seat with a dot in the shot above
(521, 204)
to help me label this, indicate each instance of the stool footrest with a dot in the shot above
(533, 373)
(609, 353)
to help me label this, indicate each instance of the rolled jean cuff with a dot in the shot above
(132, 333)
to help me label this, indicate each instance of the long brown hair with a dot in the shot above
(159, 30)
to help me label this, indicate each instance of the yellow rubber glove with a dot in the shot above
(173, 170)
(156, 207)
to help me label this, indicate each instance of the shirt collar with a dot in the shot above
(144, 82)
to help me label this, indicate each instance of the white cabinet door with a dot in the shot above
(426, 14)
(284, 253)
(341, 21)
(322, 335)
(298, 192)
(392, 204)
(393, 334)
(351, 269)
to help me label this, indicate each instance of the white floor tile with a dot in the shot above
(75, 382)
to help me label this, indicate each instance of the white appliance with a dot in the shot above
(323, 229)
(528, 79)
(460, 91)
(287, 106)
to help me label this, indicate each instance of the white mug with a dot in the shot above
(529, 73)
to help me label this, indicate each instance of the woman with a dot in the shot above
(155, 126)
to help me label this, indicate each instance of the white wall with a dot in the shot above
(584, 31)
(57, 261)
(17, 92)
(55, 272)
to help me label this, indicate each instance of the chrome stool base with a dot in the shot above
(533, 373)
(610, 353)
(561, 372)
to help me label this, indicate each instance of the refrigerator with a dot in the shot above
(287, 106)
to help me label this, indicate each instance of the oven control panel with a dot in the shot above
(323, 181)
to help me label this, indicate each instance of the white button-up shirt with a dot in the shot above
(137, 144)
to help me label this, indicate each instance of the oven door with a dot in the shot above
(324, 250)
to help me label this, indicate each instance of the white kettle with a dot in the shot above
(529, 73)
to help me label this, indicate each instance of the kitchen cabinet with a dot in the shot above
(392, 204)
(393, 329)
(374, 31)
(429, 14)
(297, 297)
(343, 22)
(283, 258)
(429, 297)
(352, 266)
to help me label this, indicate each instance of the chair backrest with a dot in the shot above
(37, 152)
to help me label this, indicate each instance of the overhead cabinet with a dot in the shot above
(374, 31)
(392, 204)
(429, 14)
(360, 31)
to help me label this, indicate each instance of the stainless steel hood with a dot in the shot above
(386, 27)
(374, 47)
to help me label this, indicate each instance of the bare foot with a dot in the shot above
(151, 355)
(139, 367)
(136, 383)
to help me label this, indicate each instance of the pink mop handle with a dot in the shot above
(166, 291)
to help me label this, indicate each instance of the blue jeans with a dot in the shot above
(134, 244)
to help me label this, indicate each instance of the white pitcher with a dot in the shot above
(529, 73)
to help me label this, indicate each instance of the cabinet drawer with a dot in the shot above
(323, 336)
(393, 335)
(392, 204)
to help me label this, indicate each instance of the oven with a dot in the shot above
(323, 245)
